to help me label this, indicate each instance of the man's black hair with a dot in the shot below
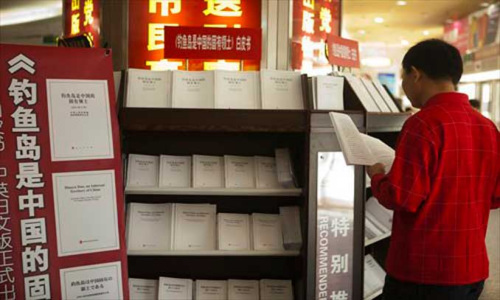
(436, 58)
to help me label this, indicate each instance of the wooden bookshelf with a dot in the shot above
(213, 253)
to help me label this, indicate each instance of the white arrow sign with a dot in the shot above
(21, 62)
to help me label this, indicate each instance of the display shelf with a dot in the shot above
(214, 253)
(378, 238)
(212, 191)
(385, 122)
(374, 295)
(321, 122)
(213, 120)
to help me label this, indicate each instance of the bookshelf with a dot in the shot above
(214, 253)
(213, 191)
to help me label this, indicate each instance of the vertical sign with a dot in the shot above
(82, 17)
(61, 199)
(335, 219)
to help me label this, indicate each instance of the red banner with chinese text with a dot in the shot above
(62, 221)
(82, 17)
(343, 52)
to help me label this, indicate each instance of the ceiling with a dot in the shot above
(403, 25)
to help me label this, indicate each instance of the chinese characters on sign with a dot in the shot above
(343, 52)
(81, 17)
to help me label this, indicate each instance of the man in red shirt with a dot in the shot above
(442, 185)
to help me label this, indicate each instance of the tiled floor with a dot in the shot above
(492, 286)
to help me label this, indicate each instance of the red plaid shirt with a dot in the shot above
(442, 185)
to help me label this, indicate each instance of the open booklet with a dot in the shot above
(359, 148)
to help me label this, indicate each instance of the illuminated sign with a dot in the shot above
(81, 17)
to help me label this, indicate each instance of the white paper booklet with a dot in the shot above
(290, 224)
(284, 168)
(239, 171)
(266, 176)
(143, 289)
(146, 88)
(281, 90)
(387, 98)
(266, 232)
(208, 171)
(194, 227)
(237, 90)
(233, 231)
(276, 289)
(149, 226)
(358, 148)
(193, 89)
(382, 214)
(243, 289)
(175, 171)
(142, 170)
(375, 95)
(211, 290)
(373, 228)
(362, 94)
(374, 276)
(329, 91)
(175, 289)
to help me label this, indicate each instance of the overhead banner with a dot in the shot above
(343, 52)
(61, 196)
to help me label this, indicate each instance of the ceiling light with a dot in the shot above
(485, 4)
(426, 32)
(361, 31)
(30, 14)
(401, 3)
(376, 62)
(379, 20)
(405, 42)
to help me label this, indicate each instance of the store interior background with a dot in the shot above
(385, 30)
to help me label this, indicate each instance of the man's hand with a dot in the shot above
(377, 168)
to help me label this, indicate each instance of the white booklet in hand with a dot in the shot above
(239, 171)
(194, 227)
(175, 289)
(208, 171)
(281, 90)
(149, 226)
(237, 90)
(382, 214)
(142, 170)
(276, 289)
(175, 171)
(143, 289)
(266, 232)
(358, 148)
(193, 89)
(234, 231)
(147, 88)
(265, 173)
(211, 290)
(243, 289)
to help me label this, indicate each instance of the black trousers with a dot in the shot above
(399, 290)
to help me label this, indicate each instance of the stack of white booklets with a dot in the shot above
(143, 289)
(142, 170)
(267, 234)
(266, 173)
(208, 171)
(290, 224)
(385, 95)
(149, 227)
(175, 289)
(281, 90)
(148, 88)
(243, 289)
(237, 90)
(276, 289)
(374, 277)
(193, 89)
(373, 92)
(175, 171)
(233, 232)
(378, 219)
(194, 227)
(328, 92)
(284, 168)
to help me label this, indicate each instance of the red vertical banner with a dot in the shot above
(62, 222)
(82, 17)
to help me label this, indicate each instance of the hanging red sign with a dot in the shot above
(213, 43)
(343, 52)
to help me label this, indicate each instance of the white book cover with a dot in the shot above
(193, 89)
(208, 171)
(385, 95)
(290, 224)
(382, 214)
(237, 90)
(175, 171)
(149, 226)
(265, 173)
(143, 289)
(243, 289)
(330, 92)
(142, 170)
(211, 290)
(374, 276)
(175, 289)
(239, 171)
(233, 231)
(146, 88)
(281, 90)
(266, 232)
(362, 94)
(271, 289)
(375, 95)
(195, 227)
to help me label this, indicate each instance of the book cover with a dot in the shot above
(243, 289)
(143, 289)
(175, 171)
(193, 89)
(208, 171)
(281, 90)
(149, 226)
(142, 170)
(195, 227)
(239, 171)
(266, 232)
(146, 88)
(211, 290)
(233, 231)
(290, 224)
(271, 289)
(330, 92)
(175, 289)
(237, 90)
(265, 173)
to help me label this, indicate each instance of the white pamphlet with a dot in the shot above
(374, 277)
(237, 90)
(290, 224)
(243, 289)
(208, 171)
(146, 88)
(271, 289)
(361, 92)
(330, 92)
(143, 289)
(149, 226)
(266, 174)
(142, 170)
(175, 289)
(195, 227)
(375, 95)
(175, 171)
(382, 214)
(79, 120)
(385, 95)
(239, 171)
(211, 290)
(266, 232)
(193, 89)
(233, 231)
(281, 90)
(86, 213)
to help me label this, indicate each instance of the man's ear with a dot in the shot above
(416, 74)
